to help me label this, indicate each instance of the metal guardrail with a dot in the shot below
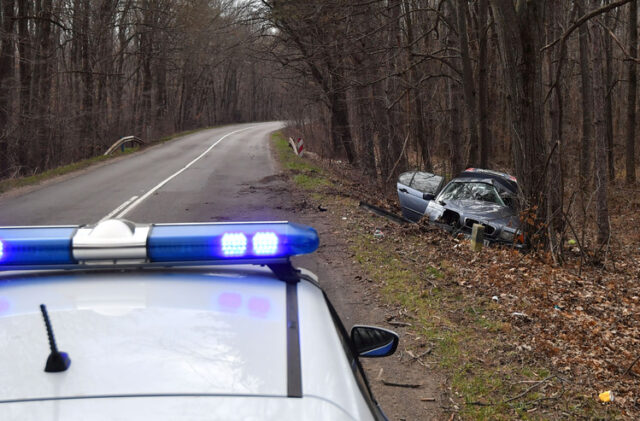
(385, 213)
(122, 141)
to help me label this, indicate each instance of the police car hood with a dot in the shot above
(149, 334)
(172, 408)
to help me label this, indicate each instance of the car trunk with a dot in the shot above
(415, 189)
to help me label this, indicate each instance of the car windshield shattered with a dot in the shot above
(472, 191)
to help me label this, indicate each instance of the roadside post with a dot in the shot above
(297, 145)
(477, 237)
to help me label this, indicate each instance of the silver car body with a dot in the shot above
(413, 190)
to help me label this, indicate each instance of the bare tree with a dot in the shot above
(519, 31)
(632, 92)
(6, 79)
(587, 106)
(483, 86)
(601, 179)
(468, 83)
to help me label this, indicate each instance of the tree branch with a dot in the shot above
(584, 19)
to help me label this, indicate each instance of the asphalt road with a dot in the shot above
(201, 177)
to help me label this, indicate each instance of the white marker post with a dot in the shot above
(299, 146)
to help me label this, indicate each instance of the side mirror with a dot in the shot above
(428, 196)
(370, 341)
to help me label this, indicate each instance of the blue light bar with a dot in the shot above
(229, 241)
(36, 245)
(122, 242)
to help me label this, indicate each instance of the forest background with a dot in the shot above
(546, 90)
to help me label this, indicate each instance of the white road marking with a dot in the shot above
(119, 208)
(171, 177)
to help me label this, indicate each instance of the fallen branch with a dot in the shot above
(407, 385)
(399, 324)
(631, 366)
(478, 403)
(530, 389)
(425, 353)
(384, 213)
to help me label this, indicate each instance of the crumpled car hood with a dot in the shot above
(485, 212)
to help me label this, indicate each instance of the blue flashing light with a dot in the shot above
(36, 246)
(229, 241)
(265, 243)
(234, 244)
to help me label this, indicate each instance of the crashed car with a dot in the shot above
(476, 196)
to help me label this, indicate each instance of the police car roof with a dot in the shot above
(210, 343)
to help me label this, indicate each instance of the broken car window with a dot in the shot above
(422, 181)
(472, 191)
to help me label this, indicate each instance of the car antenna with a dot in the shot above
(57, 361)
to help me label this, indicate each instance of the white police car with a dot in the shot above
(119, 321)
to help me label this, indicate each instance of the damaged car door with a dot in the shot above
(415, 190)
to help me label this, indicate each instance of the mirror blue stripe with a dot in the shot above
(379, 352)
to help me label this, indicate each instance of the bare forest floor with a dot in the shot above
(505, 335)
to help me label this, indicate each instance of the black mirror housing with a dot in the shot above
(373, 342)
(428, 196)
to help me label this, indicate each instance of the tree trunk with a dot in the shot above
(42, 79)
(367, 153)
(555, 183)
(630, 162)
(601, 182)
(608, 106)
(483, 86)
(455, 98)
(118, 85)
(519, 32)
(587, 107)
(340, 130)
(6, 80)
(87, 79)
(394, 146)
(418, 131)
(146, 46)
(25, 53)
(468, 84)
